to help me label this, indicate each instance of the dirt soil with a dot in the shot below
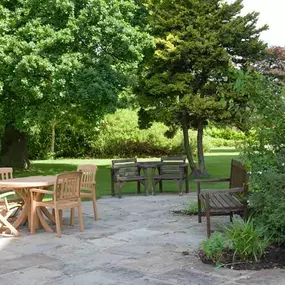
(274, 258)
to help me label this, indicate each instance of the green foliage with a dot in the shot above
(268, 201)
(191, 209)
(215, 246)
(248, 243)
(225, 133)
(264, 152)
(241, 237)
(189, 79)
(65, 58)
(118, 135)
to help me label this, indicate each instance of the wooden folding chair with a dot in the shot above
(6, 211)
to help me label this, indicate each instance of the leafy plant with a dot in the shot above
(191, 209)
(268, 200)
(214, 246)
(247, 241)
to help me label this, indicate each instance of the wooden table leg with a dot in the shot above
(22, 218)
(43, 222)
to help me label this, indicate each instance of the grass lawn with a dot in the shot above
(217, 161)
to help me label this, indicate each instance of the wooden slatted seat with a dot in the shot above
(224, 202)
(127, 170)
(171, 168)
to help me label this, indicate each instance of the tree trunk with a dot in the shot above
(189, 154)
(200, 151)
(52, 139)
(14, 151)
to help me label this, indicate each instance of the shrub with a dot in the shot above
(225, 133)
(247, 241)
(267, 199)
(214, 247)
(120, 136)
(117, 136)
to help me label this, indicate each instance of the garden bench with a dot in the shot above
(224, 202)
(171, 168)
(127, 170)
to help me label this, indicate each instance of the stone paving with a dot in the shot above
(137, 241)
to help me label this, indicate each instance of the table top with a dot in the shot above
(28, 182)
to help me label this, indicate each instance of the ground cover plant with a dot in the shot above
(241, 245)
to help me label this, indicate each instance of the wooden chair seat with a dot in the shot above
(167, 177)
(60, 204)
(224, 202)
(131, 178)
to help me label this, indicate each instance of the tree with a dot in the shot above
(273, 65)
(198, 44)
(63, 57)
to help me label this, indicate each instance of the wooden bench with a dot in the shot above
(127, 170)
(171, 168)
(224, 202)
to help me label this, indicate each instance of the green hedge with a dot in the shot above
(119, 136)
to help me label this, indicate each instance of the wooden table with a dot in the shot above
(22, 187)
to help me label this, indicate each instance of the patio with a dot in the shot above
(137, 240)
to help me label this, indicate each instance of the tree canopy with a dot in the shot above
(198, 45)
(59, 58)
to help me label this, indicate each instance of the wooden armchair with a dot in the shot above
(171, 168)
(127, 170)
(224, 202)
(66, 195)
(88, 189)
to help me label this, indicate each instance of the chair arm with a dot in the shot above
(36, 190)
(6, 194)
(231, 190)
(212, 180)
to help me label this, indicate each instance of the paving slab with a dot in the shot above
(137, 240)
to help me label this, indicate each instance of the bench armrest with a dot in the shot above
(212, 180)
(231, 190)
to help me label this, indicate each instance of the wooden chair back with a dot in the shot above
(6, 173)
(67, 186)
(126, 167)
(88, 176)
(239, 176)
(170, 165)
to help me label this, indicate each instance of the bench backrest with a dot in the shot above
(170, 165)
(239, 176)
(126, 167)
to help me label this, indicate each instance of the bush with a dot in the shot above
(247, 241)
(214, 247)
(225, 133)
(117, 136)
(268, 202)
(120, 136)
